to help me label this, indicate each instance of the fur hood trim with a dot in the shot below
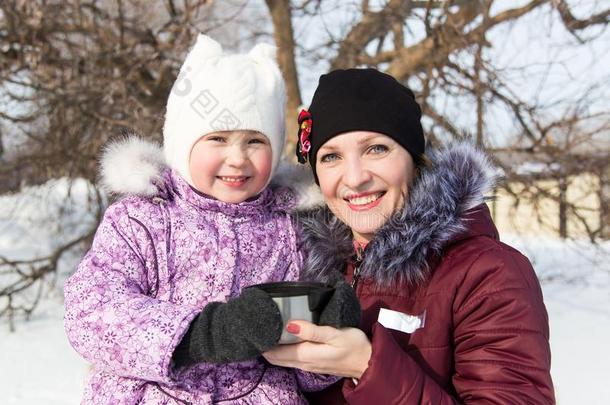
(458, 179)
(131, 166)
(134, 166)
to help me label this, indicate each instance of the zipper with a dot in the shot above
(154, 290)
(356, 275)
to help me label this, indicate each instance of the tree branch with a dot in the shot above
(450, 37)
(372, 25)
(284, 39)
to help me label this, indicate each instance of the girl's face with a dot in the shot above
(364, 177)
(231, 166)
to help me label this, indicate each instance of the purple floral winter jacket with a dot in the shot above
(154, 264)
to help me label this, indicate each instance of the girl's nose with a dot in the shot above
(236, 155)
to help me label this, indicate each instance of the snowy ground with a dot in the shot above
(38, 366)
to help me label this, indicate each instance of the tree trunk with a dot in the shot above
(563, 207)
(604, 202)
(282, 29)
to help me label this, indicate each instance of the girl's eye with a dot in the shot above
(329, 157)
(378, 149)
(216, 139)
(256, 141)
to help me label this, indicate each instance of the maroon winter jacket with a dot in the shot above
(484, 335)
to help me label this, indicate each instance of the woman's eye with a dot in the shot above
(378, 149)
(329, 157)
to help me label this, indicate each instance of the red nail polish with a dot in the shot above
(293, 328)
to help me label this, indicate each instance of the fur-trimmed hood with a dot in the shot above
(457, 181)
(135, 166)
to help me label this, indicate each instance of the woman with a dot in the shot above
(449, 313)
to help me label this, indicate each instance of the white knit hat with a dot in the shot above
(217, 92)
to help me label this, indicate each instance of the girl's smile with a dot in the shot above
(234, 181)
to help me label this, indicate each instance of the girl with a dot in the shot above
(156, 305)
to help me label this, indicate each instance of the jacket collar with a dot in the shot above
(134, 166)
(444, 205)
(173, 187)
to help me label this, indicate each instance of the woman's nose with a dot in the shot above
(356, 174)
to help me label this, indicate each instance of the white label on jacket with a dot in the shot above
(401, 322)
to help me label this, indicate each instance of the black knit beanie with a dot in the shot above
(360, 100)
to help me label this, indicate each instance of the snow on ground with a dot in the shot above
(38, 366)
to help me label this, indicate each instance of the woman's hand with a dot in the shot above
(343, 352)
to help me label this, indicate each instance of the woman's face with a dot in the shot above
(364, 177)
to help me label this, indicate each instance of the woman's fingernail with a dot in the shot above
(293, 328)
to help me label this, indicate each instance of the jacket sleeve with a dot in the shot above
(500, 338)
(109, 317)
(501, 332)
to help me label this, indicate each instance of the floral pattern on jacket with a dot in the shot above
(154, 264)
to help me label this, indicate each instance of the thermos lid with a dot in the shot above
(292, 288)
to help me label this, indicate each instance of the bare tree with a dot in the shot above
(73, 73)
(446, 50)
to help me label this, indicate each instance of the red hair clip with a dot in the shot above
(304, 144)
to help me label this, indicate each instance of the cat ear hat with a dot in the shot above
(216, 92)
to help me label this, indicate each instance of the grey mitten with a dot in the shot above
(238, 330)
(343, 308)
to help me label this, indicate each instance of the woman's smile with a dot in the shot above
(364, 201)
